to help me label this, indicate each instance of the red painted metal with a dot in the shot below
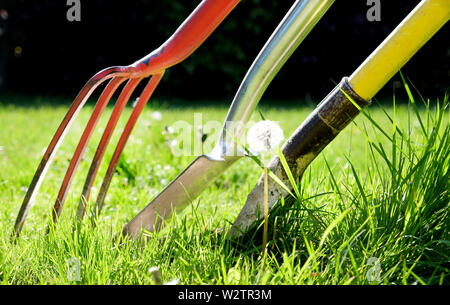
(100, 107)
(49, 154)
(96, 161)
(186, 39)
(123, 141)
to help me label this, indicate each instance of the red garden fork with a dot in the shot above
(187, 38)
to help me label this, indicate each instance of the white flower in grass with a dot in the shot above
(135, 102)
(168, 130)
(264, 136)
(172, 282)
(156, 274)
(173, 143)
(156, 115)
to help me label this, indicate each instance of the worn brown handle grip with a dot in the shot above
(330, 117)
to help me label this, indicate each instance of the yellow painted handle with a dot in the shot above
(395, 51)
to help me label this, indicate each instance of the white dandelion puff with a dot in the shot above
(167, 168)
(264, 136)
(172, 282)
(156, 274)
(173, 143)
(135, 102)
(156, 115)
(168, 130)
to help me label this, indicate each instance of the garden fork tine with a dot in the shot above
(79, 152)
(49, 154)
(96, 161)
(186, 39)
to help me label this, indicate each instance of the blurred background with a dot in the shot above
(42, 53)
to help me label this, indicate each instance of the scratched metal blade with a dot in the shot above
(181, 191)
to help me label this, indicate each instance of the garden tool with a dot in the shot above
(344, 103)
(186, 39)
(295, 26)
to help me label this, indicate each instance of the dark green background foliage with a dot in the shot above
(59, 56)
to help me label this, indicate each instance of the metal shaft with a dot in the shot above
(293, 29)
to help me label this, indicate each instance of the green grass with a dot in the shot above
(373, 207)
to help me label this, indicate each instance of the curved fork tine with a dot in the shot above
(100, 107)
(104, 99)
(49, 154)
(96, 161)
(147, 92)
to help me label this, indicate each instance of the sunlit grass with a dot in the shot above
(381, 198)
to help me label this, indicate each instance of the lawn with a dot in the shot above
(374, 205)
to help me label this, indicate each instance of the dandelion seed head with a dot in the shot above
(167, 167)
(264, 136)
(156, 274)
(153, 269)
(173, 143)
(156, 115)
(135, 102)
(168, 130)
(172, 282)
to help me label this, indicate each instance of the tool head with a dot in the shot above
(180, 192)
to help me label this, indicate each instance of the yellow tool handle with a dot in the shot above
(395, 51)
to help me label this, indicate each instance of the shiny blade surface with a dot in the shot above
(181, 191)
